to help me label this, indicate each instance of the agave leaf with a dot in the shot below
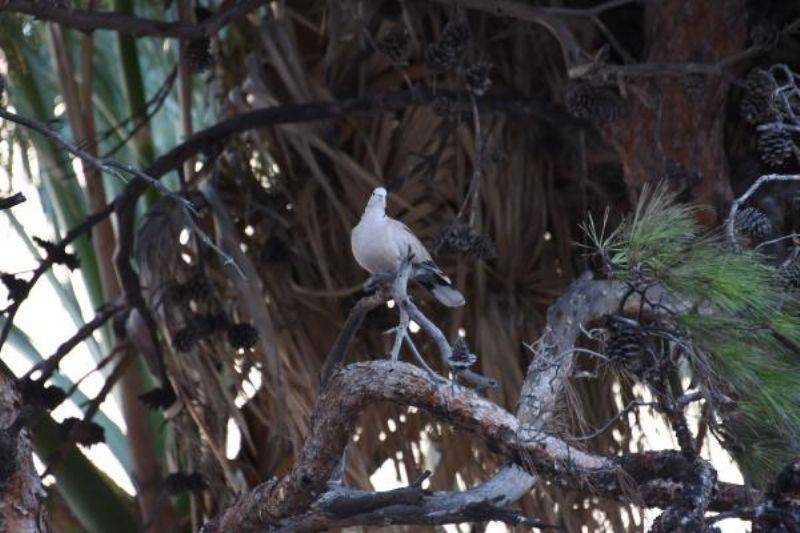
(93, 497)
(115, 438)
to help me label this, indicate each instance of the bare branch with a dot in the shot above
(10, 201)
(351, 326)
(49, 365)
(360, 385)
(342, 507)
(85, 20)
(586, 300)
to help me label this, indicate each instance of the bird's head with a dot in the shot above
(378, 199)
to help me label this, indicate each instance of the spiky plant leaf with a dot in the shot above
(742, 326)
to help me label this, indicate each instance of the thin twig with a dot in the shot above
(628, 408)
(49, 365)
(79, 230)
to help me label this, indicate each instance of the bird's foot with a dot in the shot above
(375, 281)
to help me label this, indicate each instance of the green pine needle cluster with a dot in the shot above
(744, 326)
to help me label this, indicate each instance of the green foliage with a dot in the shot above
(743, 325)
(657, 242)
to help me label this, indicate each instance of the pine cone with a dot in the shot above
(197, 54)
(457, 35)
(441, 57)
(790, 275)
(17, 288)
(197, 288)
(39, 396)
(592, 102)
(185, 339)
(758, 101)
(394, 46)
(625, 346)
(242, 336)
(753, 223)
(460, 357)
(446, 107)
(86, 433)
(179, 482)
(158, 398)
(775, 145)
(476, 76)
(462, 238)
(445, 54)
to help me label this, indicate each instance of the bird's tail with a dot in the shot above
(447, 295)
(433, 279)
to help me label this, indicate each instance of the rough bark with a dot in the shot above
(673, 125)
(654, 479)
(21, 492)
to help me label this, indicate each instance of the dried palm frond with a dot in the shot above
(287, 198)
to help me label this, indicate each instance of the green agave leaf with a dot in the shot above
(93, 497)
(115, 438)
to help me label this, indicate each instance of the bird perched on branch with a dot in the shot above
(380, 244)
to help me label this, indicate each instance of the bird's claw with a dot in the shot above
(376, 280)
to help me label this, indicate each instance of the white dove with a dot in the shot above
(381, 243)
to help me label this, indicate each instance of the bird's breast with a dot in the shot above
(373, 247)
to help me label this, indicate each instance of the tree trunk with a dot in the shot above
(673, 127)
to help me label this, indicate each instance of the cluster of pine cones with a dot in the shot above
(463, 239)
(762, 107)
(196, 289)
(446, 53)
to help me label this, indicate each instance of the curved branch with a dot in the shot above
(342, 507)
(586, 300)
(360, 385)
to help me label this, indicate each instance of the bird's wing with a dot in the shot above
(407, 241)
(425, 270)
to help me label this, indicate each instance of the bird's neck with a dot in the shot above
(373, 214)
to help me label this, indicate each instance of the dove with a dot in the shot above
(381, 243)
